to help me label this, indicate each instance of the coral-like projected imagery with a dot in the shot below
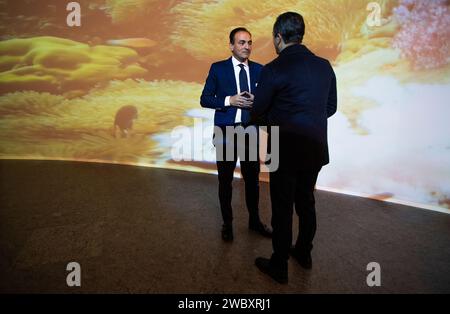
(113, 88)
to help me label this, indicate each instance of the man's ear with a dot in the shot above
(276, 40)
(231, 47)
(279, 38)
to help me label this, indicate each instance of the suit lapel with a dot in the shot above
(230, 75)
(252, 77)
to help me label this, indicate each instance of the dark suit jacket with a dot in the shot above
(297, 92)
(221, 83)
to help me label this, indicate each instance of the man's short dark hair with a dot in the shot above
(236, 30)
(290, 26)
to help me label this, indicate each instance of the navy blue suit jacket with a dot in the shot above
(220, 83)
(297, 92)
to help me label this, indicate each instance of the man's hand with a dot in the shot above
(242, 100)
(249, 96)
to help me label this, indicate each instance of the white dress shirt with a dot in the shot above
(237, 69)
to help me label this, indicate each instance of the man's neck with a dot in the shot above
(240, 59)
(287, 45)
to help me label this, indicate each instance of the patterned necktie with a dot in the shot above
(243, 85)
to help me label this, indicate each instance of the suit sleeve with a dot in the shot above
(209, 97)
(264, 94)
(332, 96)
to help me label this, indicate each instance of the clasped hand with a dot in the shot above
(242, 100)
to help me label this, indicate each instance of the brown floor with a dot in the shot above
(144, 230)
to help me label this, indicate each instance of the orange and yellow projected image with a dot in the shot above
(112, 83)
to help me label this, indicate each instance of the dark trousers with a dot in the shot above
(289, 187)
(250, 172)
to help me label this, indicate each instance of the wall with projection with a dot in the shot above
(112, 83)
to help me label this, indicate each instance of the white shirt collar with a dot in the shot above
(236, 62)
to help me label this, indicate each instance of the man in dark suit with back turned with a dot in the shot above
(228, 90)
(297, 93)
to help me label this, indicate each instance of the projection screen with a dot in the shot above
(112, 80)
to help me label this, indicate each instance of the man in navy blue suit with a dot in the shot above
(297, 93)
(228, 90)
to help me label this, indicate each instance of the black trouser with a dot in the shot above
(289, 187)
(250, 172)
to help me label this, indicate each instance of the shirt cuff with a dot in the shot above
(227, 101)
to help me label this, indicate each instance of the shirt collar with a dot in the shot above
(236, 62)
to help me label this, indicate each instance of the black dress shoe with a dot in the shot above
(227, 233)
(261, 229)
(304, 259)
(277, 274)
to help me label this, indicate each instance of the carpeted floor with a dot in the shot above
(144, 230)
